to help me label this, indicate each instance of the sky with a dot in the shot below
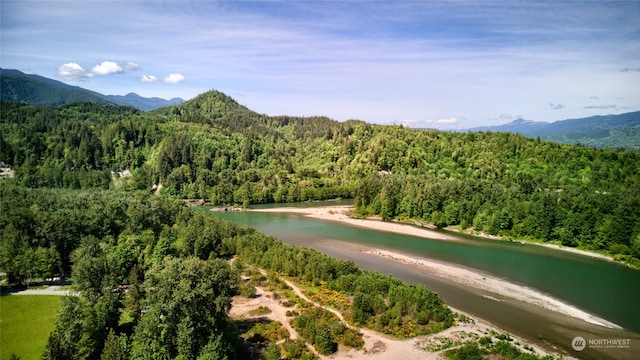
(445, 65)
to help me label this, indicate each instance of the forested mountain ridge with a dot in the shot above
(212, 147)
(17, 86)
(612, 131)
(38, 90)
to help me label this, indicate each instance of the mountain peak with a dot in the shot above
(521, 121)
(213, 102)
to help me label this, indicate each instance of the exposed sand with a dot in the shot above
(377, 346)
(341, 213)
(576, 251)
(497, 289)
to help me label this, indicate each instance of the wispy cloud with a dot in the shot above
(440, 123)
(601, 107)
(131, 66)
(148, 78)
(557, 106)
(625, 70)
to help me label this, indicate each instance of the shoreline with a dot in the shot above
(497, 289)
(376, 345)
(340, 213)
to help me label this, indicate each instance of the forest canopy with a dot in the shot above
(153, 280)
(213, 148)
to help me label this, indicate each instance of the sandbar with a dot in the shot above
(496, 288)
(341, 213)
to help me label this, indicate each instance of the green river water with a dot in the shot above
(605, 289)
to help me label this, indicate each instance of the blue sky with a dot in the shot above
(454, 64)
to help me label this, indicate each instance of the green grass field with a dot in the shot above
(25, 324)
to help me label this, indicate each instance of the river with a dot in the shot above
(605, 289)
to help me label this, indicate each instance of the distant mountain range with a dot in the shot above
(38, 90)
(144, 103)
(612, 131)
(621, 131)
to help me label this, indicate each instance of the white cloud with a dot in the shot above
(131, 66)
(173, 78)
(107, 68)
(73, 71)
(556, 106)
(148, 78)
(444, 122)
(448, 121)
(403, 122)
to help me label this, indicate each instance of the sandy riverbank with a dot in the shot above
(496, 289)
(341, 213)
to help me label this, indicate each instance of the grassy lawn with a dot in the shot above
(25, 324)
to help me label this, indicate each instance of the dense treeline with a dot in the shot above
(213, 148)
(575, 196)
(150, 279)
(40, 228)
(153, 280)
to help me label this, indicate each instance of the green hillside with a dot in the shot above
(213, 148)
(37, 90)
(17, 86)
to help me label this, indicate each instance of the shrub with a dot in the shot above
(619, 249)
(324, 342)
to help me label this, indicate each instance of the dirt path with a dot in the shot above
(51, 290)
(242, 305)
(377, 346)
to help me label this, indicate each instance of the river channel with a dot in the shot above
(602, 288)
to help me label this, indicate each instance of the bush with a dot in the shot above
(619, 249)
(337, 328)
(485, 341)
(272, 352)
(324, 342)
(352, 338)
(469, 351)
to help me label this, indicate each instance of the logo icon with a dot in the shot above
(578, 343)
